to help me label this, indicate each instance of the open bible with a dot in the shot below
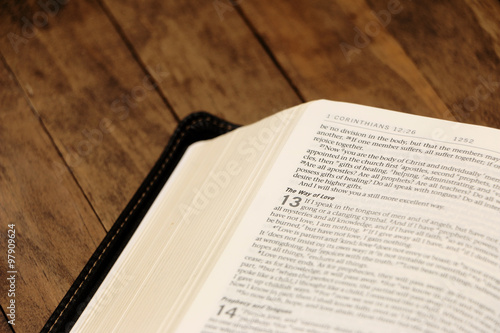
(326, 217)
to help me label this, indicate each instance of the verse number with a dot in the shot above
(294, 202)
(230, 313)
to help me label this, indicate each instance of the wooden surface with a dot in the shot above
(90, 92)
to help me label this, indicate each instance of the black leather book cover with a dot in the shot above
(195, 127)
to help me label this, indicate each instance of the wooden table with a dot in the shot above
(92, 90)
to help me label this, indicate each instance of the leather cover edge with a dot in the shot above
(195, 127)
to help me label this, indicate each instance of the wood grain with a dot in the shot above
(459, 58)
(105, 118)
(215, 62)
(100, 107)
(340, 50)
(308, 40)
(56, 230)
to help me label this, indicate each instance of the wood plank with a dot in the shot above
(315, 42)
(56, 230)
(215, 62)
(324, 48)
(457, 51)
(106, 119)
(96, 101)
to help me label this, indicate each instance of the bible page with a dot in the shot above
(369, 221)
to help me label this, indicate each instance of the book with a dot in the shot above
(326, 217)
